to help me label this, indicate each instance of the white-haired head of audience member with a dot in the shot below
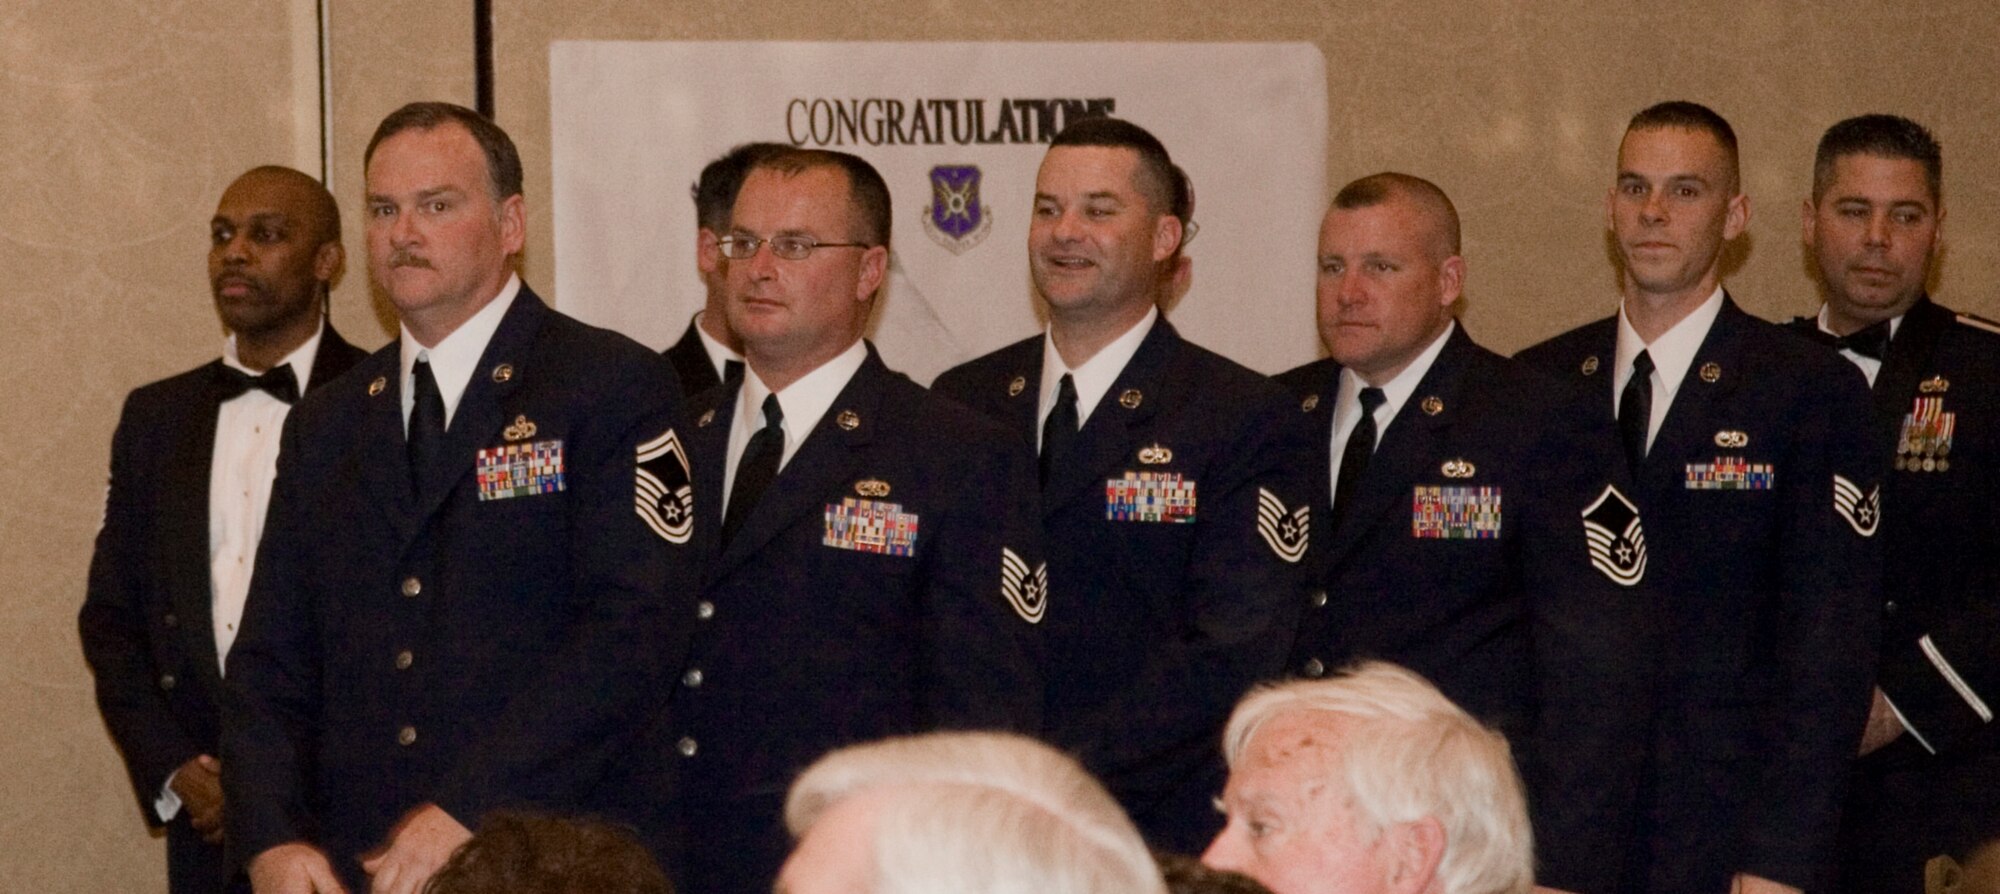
(1370, 781)
(966, 812)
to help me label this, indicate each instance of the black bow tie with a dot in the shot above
(279, 382)
(1871, 342)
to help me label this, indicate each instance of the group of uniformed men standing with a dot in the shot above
(507, 561)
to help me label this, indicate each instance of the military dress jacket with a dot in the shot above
(1181, 528)
(146, 623)
(1936, 436)
(1761, 502)
(1492, 546)
(492, 643)
(889, 581)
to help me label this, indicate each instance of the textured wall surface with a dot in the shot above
(122, 120)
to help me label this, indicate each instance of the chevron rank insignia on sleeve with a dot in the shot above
(1285, 530)
(1862, 512)
(1616, 541)
(665, 497)
(1026, 589)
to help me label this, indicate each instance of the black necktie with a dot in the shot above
(1871, 342)
(732, 370)
(426, 436)
(1354, 457)
(1059, 430)
(1635, 410)
(756, 469)
(278, 382)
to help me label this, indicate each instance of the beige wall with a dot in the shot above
(122, 120)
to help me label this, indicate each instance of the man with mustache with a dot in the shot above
(191, 469)
(1761, 504)
(1930, 769)
(458, 605)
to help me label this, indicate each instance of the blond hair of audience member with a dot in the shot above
(967, 812)
(1370, 781)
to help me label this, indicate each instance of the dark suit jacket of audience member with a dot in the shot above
(1770, 597)
(146, 621)
(1523, 629)
(1170, 623)
(1941, 581)
(803, 644)
(473, 653)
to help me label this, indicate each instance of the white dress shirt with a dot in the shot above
(1395, 393)
(241, 468)
(1093, 378)
(802, 403)
(454, 358)
(1672, 353)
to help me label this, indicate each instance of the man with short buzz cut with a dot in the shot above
(1370, 782)
(1761, 503)
(453, 574)
(191, 469)
(709, 352)
(1481, 529)
(1930, 770)
(878, 568)
(1173, 481)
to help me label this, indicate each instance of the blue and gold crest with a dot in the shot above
(954, 218)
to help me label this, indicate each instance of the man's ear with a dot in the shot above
(1414, 851)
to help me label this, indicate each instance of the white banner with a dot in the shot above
(634, 122)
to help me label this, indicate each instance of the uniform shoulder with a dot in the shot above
(1310, 378)
(1221, 374)
(1008, 361)
(1976, 323)
(1564, 352)
(175, 387)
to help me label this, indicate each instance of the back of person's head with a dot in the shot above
(1408, 753)
(516, 852)
(977, 812)
(1187, 875)
(715, 191)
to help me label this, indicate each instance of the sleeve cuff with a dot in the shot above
(168, 805)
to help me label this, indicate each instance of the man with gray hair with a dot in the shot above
(1370, 781)
(965, 812)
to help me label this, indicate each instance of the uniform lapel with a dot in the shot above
(1117, 423)
(482, 413)
(1413, 441)
(184, 499)
(1689, 429)
(1907, 364)
(382, 456)
(708, 447)
(820, 467)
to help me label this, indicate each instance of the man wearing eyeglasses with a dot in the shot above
(878, 568)
(1174, 487)
(708, 351)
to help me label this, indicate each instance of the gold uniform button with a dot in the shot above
(167, 682)
(692, 678)
(172, 620)
(412, 586)
(1889, 607)
(404, 660)
(406, 736)
(686, 746)
(1319, 599)
(704, 610)
(1314, 668)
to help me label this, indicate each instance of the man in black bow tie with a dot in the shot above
(1930, 769)
(191, 471)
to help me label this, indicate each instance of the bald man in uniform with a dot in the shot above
(191, 469)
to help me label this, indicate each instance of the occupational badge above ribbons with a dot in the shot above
(1615, 539)
(665, 494)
